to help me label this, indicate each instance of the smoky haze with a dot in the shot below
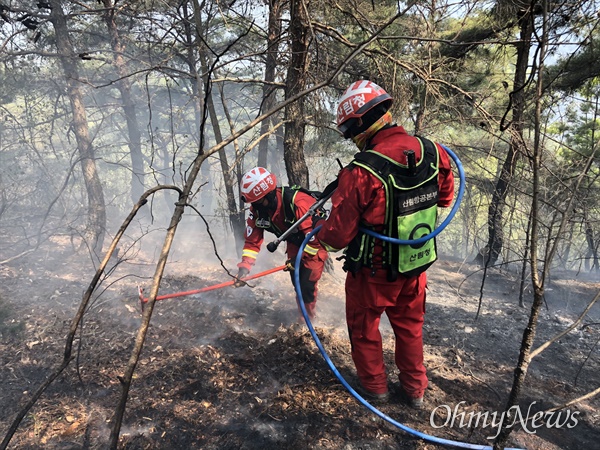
(103, 101)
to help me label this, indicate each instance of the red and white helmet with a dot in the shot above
(256, 183)
(360, 97)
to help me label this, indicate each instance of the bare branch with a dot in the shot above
(547, 344)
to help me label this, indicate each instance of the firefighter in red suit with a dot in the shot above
(381, 276)
(276, 209)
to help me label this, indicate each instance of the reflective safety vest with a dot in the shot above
(411, 193)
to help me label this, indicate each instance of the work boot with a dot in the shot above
(413, 402)
(373, 397)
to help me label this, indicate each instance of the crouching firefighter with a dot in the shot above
(275, 209)
(392, 187)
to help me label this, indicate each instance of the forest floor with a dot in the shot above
(235, 369)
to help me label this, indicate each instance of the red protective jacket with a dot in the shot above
(360, 196)
(255, 235)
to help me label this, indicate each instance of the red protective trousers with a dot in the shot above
(310, 273)
(367, 298)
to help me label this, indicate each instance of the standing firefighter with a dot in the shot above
(392, 187)
(276, 209)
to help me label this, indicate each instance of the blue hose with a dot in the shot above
(411, 431)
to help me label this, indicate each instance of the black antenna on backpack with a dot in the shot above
(412, 161)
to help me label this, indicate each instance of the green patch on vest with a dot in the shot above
(415, 226)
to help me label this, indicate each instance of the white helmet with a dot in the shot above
(256, 183)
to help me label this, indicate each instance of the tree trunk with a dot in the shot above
(592, 252)
(124, 86)
(293, 144)
(566, 254)
(96, 220)
(279, 150)
(206, 191)
(490, 253)
(537, 281)
(422, 111)
(269, 89)
(524, 265)
(236, 219)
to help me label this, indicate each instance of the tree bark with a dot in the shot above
(592, 252)
(537, 281)
(269, 89)
(236, 219)
(293, 144)
(206, 192)
(124, 86)
(96, 216)
(490, 253)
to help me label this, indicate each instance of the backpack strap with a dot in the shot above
(430, 150)
(375, 161)
(288, 195)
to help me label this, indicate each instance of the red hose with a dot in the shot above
(210, 288)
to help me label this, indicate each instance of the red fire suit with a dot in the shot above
(313, 257)
(360, 200)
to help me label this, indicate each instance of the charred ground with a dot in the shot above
(234, 369)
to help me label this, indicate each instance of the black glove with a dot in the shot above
(319, 218)
(289, 266)
(242, 272)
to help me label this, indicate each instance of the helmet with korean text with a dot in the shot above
(360, 106)
(256, 183)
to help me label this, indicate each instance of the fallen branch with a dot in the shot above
(549, 342)
(575, 400)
